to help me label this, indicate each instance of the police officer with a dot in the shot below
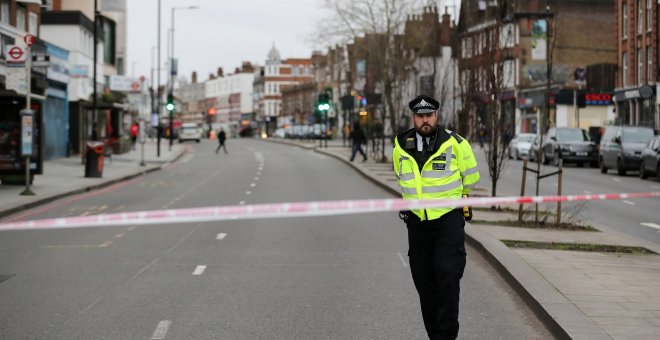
(431, 162)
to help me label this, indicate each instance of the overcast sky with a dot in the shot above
(221, 33)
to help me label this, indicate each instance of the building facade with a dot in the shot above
(637, 60)
(279, 75)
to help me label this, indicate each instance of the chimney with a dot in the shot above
(445, 29)
(211, 76)
(194, 77)
(221, 73)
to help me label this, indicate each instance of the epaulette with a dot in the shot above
(458, 138)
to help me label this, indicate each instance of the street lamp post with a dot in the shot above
(172, 72)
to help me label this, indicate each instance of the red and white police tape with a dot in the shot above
(298, 209)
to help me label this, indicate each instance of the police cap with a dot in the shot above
(423, 104)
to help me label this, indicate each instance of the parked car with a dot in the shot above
(534, 149)
(650, 163)
(621, 148)
(520, 145)
(573, 145)
(190, 131)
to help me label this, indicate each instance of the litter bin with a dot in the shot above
(94, 159)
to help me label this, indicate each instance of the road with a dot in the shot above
(340, 277)
(637, 217)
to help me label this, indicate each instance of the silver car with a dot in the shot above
(189, 131)
(520, 145)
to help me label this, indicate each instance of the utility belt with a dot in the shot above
(407, 215)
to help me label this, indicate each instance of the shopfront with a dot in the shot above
(637, 107)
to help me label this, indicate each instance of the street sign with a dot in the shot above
(26, 132)
(40, 60)
(15, 55)
(29, 40)
(15, 79)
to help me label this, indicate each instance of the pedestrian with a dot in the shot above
(221, 141)
(357, 138)
(432, 162)
(134, 133)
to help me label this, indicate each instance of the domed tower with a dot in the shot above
(274, 56)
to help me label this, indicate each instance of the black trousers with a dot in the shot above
(437, 261)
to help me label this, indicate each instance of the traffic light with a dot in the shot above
(323, 102)
(170, 102)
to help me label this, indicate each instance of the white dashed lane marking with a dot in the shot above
(616, 179)
(248, 192)
(221, 236)
(256, 178)
(241, 202)
(253, 185)
(161, 330)
(651, 225)
(629, 202)
(199, 270)
(587, 192)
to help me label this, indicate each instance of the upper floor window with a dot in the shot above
(624, 20)
(32, 23)
(640, 66)
(4, 12)
(649, 64)
(640, 16)
(624, 63)
(20, 18)
(649, 8)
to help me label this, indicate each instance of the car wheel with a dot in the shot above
(544, 159)
(642, 171)
(619, 168)
(657, 172)
(198, 141)
(517, 155)
(555, 159)
(579, 164)
(510, 155)
(593, 164)
(603, 169)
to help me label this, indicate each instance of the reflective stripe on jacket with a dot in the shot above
(450, 172)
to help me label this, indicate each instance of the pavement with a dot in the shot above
(578, 295)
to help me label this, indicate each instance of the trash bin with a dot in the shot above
(94, 159)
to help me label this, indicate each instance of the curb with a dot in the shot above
(560, 316)
(46, 200)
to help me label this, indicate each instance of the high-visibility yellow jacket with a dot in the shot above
(449, 173)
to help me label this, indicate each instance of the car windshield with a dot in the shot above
(571, 135)
(190, 128)
(634, 135)
(526, 139)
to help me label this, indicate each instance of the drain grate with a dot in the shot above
(5, 277)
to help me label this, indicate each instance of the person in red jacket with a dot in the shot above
(134, 133)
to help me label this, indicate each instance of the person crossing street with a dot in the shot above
(222, 137)
(431, 162)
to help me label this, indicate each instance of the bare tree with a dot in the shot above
(487, 43)
(380, 24)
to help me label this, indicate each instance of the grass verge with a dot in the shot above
(588, 247)
(532, 225)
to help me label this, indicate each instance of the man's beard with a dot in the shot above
(429, 132)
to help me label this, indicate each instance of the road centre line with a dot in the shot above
(105, 244)
(248, 192)
(161, 330)
(629, 202)
(256, 178)
(252, 185)
(199, 270)
(221, 236)
(402, 260)
(120, 235)
(651, 225)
